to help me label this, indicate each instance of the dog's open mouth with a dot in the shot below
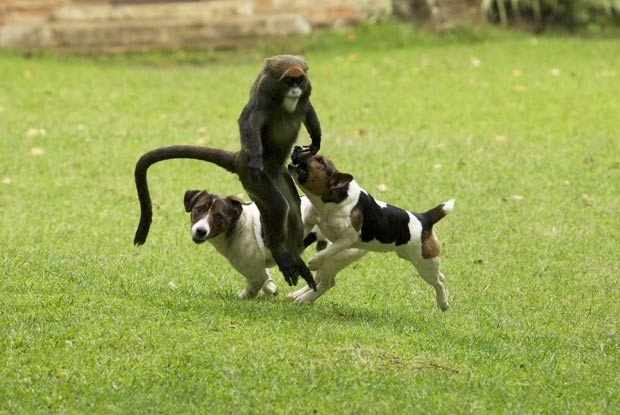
(299, 168)
(300, 154)
(299, 171)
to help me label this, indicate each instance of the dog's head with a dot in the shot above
(318, 176)
(210, 214)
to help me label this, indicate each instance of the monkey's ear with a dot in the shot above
(190, 199)
(340, 180)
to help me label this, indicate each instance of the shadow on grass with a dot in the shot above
(265, 309)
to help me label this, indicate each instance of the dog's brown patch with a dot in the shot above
(320, 170)
(430, 245)
(198, 201)
(357, 218)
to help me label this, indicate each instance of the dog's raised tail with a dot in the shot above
(222, 158)
(439, 212)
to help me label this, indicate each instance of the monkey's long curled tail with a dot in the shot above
(223, 158)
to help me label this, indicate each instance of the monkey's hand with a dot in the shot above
(301, 153)
(255, 167)
(314, 148)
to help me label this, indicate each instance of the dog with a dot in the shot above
(235, 230)
(356, 223)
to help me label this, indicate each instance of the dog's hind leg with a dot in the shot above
(429, 271)
(326, 275)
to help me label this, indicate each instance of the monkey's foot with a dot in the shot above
(292, 267)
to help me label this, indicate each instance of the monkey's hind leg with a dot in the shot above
(291, 266)
(274, 211)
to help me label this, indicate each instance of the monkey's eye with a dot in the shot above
(291, 81)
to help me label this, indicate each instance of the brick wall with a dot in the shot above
(26, 11)
(118, 25)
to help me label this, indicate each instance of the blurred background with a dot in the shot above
(135, 25)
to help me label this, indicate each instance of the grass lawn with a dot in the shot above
(522, 131)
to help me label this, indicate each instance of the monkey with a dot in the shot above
(269, 124)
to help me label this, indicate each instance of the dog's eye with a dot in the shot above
(218, 217)
(199, 209)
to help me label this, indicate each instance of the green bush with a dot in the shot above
(543, 13)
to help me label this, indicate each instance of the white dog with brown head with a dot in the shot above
(235, 230)
(233, 227)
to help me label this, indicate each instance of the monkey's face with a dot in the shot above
(295, 82)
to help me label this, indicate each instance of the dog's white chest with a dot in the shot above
(335, 225)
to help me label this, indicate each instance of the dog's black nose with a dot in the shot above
(200, 233)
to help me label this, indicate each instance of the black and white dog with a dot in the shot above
(355, 223)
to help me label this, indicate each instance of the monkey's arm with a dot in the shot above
(251, 122)
(313, 126)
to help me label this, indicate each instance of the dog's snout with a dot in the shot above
(199, 234)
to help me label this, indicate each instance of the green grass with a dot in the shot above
(523, 132)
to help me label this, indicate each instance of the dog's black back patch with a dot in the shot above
(385, 224)
(425, 221)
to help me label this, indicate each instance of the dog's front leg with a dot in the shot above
(258, 279)
(348, 238)
(326, 276)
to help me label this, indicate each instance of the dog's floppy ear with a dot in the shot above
(338, 188)
(238, 200)
(190, 199)
(340, 180)
(237, 204)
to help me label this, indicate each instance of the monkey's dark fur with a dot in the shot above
(269, 124)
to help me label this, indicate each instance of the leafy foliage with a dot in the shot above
(567, 13)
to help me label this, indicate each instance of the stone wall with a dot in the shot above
(124, 25)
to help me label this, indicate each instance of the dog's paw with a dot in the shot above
(443, 303)
(246, 294)
(309, 295)
(297, 294)
(442, 299)
(315, 263)
(306, 298)
(269, 287)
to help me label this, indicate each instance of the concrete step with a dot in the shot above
(146, 34)
(153, 11)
